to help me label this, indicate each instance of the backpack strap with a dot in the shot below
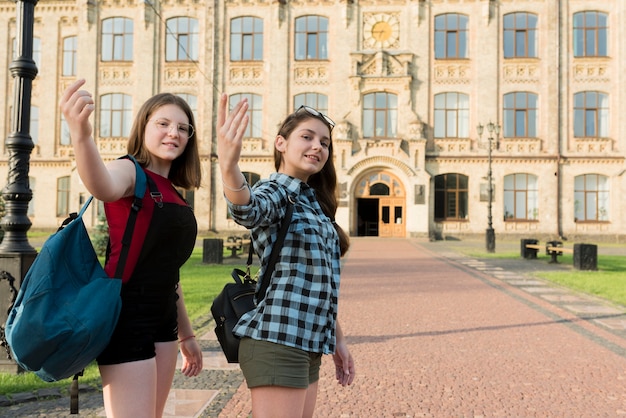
(276, 247)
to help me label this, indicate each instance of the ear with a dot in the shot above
(280, 142)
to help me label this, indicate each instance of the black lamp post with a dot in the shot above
(490, 233)
(19, 144)
(16, 254)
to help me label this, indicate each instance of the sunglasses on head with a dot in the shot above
(317, 114)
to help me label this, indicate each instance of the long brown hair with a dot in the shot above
(325, 181)
(186, 171)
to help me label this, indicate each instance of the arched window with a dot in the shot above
(117, 39)
(63, 196)
(182, 39)
(451, 115)
(591, 34)
(380, 115)
(311, 41)
(70, 46)
(115, 115)
(451, 198)
(591, 198)
(255, 108)
(246, 39)
(521, 197)
(315, 100)
(520, 35)
(591, 114)
(451, 36)
(520, 115)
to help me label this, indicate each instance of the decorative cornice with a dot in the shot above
(383, 161)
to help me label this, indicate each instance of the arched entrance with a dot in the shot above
(380, 205)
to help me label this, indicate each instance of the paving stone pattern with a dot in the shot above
(439, 334)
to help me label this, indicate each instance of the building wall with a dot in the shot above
(405, 66)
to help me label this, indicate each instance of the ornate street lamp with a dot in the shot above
(490, 233)
(16, 254)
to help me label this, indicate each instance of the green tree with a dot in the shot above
(101, 236)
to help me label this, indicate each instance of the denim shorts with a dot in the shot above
(269, 364)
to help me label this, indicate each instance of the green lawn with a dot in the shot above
(608, 282)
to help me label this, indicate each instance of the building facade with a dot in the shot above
(434, 102)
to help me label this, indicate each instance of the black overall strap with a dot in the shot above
(267, 275)
(140, 190)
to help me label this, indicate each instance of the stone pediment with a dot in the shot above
(381, 64)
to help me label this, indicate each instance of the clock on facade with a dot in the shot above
(381, 30)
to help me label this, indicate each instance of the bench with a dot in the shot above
(585, 255)
(236, 243)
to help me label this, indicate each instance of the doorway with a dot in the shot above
(380, 206)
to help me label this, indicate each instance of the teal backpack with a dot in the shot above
(67, 307)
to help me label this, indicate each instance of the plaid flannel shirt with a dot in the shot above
(300, 306)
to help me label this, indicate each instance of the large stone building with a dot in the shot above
(408, 82)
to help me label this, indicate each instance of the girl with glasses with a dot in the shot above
(284, 337)
(138, 365)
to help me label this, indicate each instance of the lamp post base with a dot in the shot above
(491, 240)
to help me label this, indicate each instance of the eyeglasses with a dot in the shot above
(183, 129)
(317, 114)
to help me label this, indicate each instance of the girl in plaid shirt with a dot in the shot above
(285, 336)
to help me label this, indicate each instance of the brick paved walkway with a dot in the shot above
(438, 334)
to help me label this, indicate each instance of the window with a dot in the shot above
(591, 34)
(64, 136)
(314, 100)
(521, 197)
(32, 184)
(252, 179)
(246, 39)
(117, 39)
(591, 198)
(311, 38)
(115, 115)
(34, 124)
(70, 45)
(520, 35)
(192, 101)
(255, 106)
(451, 36)
(591, 114)
(63, 196)
(451, 115)
(520, 115)
(451, 197)
(182, 39)
(380, 115)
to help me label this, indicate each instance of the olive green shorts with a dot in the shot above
(268, 364)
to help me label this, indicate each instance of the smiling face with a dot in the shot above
(164, 138)
(306, 149)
